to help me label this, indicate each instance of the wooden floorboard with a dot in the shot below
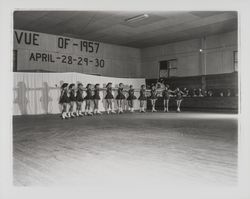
(196, 148)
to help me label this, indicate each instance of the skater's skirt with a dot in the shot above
(143, 98)
(153, 97)
(79, 99)
(167, 97)
(88, 97)
(96, 97)
(131, 97)
(72, 98)
(109, 96)
(64, 100)
(179, 98)
(120, 97)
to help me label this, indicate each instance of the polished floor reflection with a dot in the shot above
(152, 148)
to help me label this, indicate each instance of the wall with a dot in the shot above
(220, 50)
(120, 61)
(45, 52)
(216, 57)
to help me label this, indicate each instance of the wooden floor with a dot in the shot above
(193, 148)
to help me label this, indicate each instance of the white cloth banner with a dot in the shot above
(38, 93)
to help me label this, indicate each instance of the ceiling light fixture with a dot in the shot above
(137, 18)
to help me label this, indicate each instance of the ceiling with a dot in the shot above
(110, 26)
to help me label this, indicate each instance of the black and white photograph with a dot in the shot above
(138, 98)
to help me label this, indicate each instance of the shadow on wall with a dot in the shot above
(21, 99)
(45, 98)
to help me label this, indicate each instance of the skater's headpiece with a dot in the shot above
(108, 84)
(97, 85)
(71, 85)
(79, 84)
(64, 85)
(88, 85)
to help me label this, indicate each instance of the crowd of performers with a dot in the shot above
(73, 96)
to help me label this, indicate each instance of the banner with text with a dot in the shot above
(39, 51)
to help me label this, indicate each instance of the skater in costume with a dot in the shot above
(88, 98)
(178, 97)
(96, 99)
(142, 98)
(72, 97)
(79, 99)
(153, 97)
(131, 98)
(64, 100)
(120, 97)
(109, 98)
(166, 94)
